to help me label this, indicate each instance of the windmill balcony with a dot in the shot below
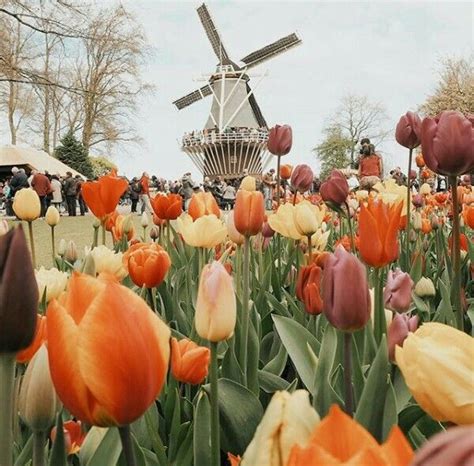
(230, 135)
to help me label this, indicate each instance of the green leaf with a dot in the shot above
(390, 417)
(409, 416)
(26, 453)
(296, 340)
(278, 363)
(151, 419)
(108, 451)
(58, 452)
(270, 383)
(202, 431)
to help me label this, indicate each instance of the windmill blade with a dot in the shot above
(192, 97)
(271, 50)
(256, 109)
(212, 34)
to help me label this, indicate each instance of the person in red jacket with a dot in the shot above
(41, 184)
(370, 165)
(145, 193)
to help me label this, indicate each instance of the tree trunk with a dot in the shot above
(11, 112)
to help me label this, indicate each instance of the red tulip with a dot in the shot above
(302, 178)
(167, 207)
(335, 189)
(280, 140)
(408, 130)
(308, 287)
(398, 330)
(73, 436)
(448, 143)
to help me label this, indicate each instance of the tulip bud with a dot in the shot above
(416, 220)
(88, 266)
(62, 247)
(285, 172)
(38, 403)
(397, 292)
(70, 254)
(234, 235)
(249, 212)
(280, 140)
(127, 225)
(408, 131)
(346, 304)
(335, 189)
(52, 216)
(216, 308)
(189, 362)
(18, 293)
(145, 221)
(4, 227)
(302, 178)
(398, 330)
(154, 233)
(248, 184)
(425, 288)
(96, 222)
(26, 204)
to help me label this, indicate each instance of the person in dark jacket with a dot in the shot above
(82, 205)
(18, 181)
(135, 189)
(70, 191)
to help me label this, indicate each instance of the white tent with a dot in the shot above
(32, 159)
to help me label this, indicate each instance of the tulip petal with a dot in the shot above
(370, 246)
(397, 449)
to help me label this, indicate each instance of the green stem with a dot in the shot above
(278, 180)
(168, 235)
(245, 308)
(53, 244)
(127, 445)
(456, 255)
(95, 240)
(349, 221)
(407, 230)
(103, 233)
(380, 323)
(215, 442)
(144, 234)
(32, 243)
(348, 394)
(7, 377)
(151, 298)
(238, 272)
(39, 440)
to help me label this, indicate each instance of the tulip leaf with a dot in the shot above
(151, 419)
(270, 383)
(278, 363)
(185, 451)
(253, 353)
(230, 365)
(390, 417)
(370, 409)
(25, 456)
(58, 452)
(108, 451)
(296, 340)
(416, 270)
(409, 416)
(202, 431)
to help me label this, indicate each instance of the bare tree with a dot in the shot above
(455, 90)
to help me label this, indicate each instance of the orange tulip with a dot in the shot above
(344, 241)
(73, 436)
(420, 161)
(285, 172)
(338, 439)
(249, 212)
(102, 196)
(468, 215)
(147, 264)
(308, 288)
(426, 226)
(203, 204)
(378, 232)
(167, 207)
(441, 198)
(463, 242)
(118, 230)
(40, 337)
(233, 460)
(108, 352)
(189, 362)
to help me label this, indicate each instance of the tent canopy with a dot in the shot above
(31, 159)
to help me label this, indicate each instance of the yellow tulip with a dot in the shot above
(248, 183)
(107, 261)
(216, 308)
(437, 362)
(52, 282)
(206, 232)
(362, 195)
(307, 217)
(26, 205)
(52, 216)
(282, 221)
(425, 288)
(425, 189)
(288, 420)
(392, 193)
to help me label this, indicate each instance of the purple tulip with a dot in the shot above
(447, 143)
(302, 178)
(418, 200)
(280, 140)
(408, 130)
(397, 292)
(398, 330)
(335, 189)
(346, 298)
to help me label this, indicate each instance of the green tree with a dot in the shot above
(73, 153)
(334, 151)
(101, 166)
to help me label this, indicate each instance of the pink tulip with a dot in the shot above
(397, 292)
(398, 330)
(302, 178)
(408, 130)
(335, 189)
(280, 140)
(418, 200)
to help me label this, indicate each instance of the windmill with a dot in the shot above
(236, 133)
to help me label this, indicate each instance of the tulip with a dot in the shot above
(40, 337)
(234, 235)
(288, 420)
(346, 299)
(308, 287)
(425, 189)
(108, 352)
(62, 247)
(216, 308)
(154, 233)
(418, 200)
(147, 264)
(426, 226)
(203, 204)
(102, 196)
(447, 143)
(302, 178)
(189, 362)
(107, 261)
(398, 331)
(280, 140)
(437, 363)
(4, 227)
(167, 207)
(416, 221)
(425, 288)
(73, 436)
(468, 215)
(397, 292)
(338, 440)
(282, 221)
(109, 220)
(248, 183)
(267, 231)
(52, 216)
(38, 403)
(285, 172)
(335, 189)
(51, 283)
(123, 228)
(408, 130)
(206, 232)
(420, 161)
(249, 212)
(70, 255)
(451, 447)
(26, 205)
(144, 220)
(378, 232)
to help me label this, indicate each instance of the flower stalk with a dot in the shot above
(32, 243)
(39, 440)
(380, 323)
(213, 376)
(7, 376)
(127, 445)
(348, 393)
(245, 307)
(407, 229)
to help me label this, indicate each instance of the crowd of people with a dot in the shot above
(212, 135)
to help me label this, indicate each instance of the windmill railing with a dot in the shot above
(245, 135)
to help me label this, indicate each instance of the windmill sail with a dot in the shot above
(192, 97)
(212, 34)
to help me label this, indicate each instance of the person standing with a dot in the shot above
(145, 193)
(70, 192)
(18, 181)
(82, 205)
(370, 165)
(187, 185)
(268, 185)
(134, 191)
(41, 184)
(56, 187)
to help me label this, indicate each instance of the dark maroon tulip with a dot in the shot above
(447, 143)
(453, 447)
(267, 231)
(346, 299)
(280, 140)
(397, 291)
(408, 131)
(302, 178)
(398, 330)
(18, 293)
(335, 189)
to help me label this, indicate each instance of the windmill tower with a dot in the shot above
(236, 133)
